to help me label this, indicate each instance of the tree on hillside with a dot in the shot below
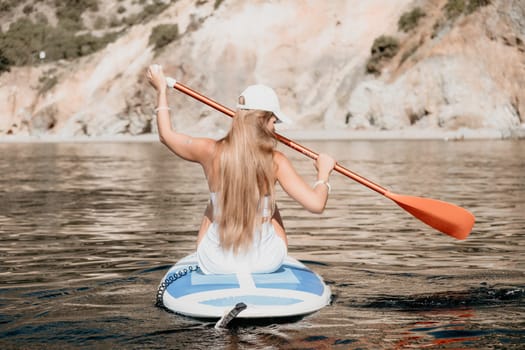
(4, 63)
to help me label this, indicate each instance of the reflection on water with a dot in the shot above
(88, 230)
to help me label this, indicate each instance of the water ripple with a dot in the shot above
(87, 231)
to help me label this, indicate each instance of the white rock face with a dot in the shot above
(438, 92)
(470, 74)
(466, 79)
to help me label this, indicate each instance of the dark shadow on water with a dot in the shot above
(200, 333)
(240, 322)
(262, 322)
(313, 262)
(62, 332)
(454, 319)
(473, 297)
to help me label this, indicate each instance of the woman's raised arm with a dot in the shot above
(313, 198)
(187, 147)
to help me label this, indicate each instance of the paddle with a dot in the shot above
(445, 217)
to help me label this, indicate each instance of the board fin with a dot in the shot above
(230, 315)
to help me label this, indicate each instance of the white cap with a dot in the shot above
(263, 98)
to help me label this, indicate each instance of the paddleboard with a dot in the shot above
(293, 290)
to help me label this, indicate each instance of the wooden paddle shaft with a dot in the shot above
(307, 152)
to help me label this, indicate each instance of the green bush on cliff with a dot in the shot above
(149, 11)
(47, 81)
(24, 40)
(4, 63)
(455, 8)
(473, 5)
(7, 5)
(217, 4)
(69, 12)
(20, 41)
(162, 35)
(409, 20)
(384, 48)
(28, 9)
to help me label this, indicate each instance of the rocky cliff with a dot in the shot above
(459, 65)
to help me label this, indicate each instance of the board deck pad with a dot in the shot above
(292, 290)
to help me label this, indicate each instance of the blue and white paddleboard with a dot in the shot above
(293, 290)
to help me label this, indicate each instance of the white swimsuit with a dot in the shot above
(265, 255)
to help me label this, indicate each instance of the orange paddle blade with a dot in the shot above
(445, 217)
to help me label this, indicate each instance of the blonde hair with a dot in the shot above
(246, 176)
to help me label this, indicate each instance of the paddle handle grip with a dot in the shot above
(172, 83)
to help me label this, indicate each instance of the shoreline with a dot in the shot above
(300, 135)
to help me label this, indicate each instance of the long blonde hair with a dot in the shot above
(246, 176)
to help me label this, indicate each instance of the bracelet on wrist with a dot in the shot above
(322, 182)
(162, 108)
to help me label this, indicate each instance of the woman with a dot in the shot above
(242, 230)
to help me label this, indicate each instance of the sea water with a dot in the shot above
(87, 230)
